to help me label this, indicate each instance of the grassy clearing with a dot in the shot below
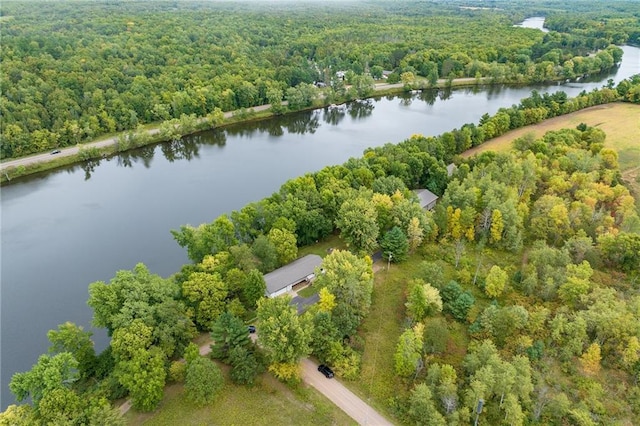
(269, 402)
(620, 121)
(308, 291)
(321, 248)
(380, 331)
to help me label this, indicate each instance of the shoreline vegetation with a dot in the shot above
(150, 134)
(175, 129)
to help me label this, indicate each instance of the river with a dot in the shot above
(67, 228)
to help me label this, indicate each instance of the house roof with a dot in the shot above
(426, 197)
(451, 168)
(292, 273)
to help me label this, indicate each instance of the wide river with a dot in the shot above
(67, 228)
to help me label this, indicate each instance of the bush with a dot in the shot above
(457, 302)
(177, 371)
(203, 381)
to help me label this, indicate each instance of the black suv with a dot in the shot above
(328, 373)
(252, 328)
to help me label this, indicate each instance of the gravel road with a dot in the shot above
(346, 400)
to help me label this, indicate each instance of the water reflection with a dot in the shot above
(428, 96)
(89, 167)
(360, 109)
(334, 114)
(142, 155)
(185, 149)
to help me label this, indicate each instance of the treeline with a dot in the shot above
(78, 70)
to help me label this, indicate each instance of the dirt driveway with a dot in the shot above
(351, 404)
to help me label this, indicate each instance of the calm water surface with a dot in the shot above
(67, 228)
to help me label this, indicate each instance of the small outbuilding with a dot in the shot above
(451, 169)
(300, 271)
(427, 198)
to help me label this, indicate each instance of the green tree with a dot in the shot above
(48, 374)
(422, 409)
(143, 375)
(395, 245)
(324, 334)
(254, 288)
(207, 294)
(495, 281)
(245, 366)
(423, 300)
(203, 381)
(408, 355)
(227, 333)
(60, 406)
(265, 251)
(577, 283)
(138, 294)
(284, 242)
(455, 301)
(358, 225)
(284, 335)
(208, 238)
(350, 279)
(622, 250)
(73, 339)
(139, 366)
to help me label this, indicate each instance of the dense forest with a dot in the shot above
(519, 290)
(74, 71)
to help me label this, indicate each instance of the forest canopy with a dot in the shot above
(77, 70)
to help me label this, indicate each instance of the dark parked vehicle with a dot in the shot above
(328, 373)
(252, 329)
(55, 151)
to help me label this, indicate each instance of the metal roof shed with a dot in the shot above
(427, 198)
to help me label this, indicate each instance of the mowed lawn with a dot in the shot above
(269, 402)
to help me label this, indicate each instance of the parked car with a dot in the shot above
(55, 151)
(252, 328)
(328, 373)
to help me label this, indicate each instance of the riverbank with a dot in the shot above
(107, 146)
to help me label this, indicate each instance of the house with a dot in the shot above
(283, 279)
(427, 198)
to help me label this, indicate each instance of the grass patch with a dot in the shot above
(269, 402)
(322, 248)
(380, 331)
(308, 291)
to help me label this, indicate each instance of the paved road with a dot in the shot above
(346, 400)
(73, 150)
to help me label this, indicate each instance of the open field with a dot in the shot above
(269, 402)
(620, 121)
